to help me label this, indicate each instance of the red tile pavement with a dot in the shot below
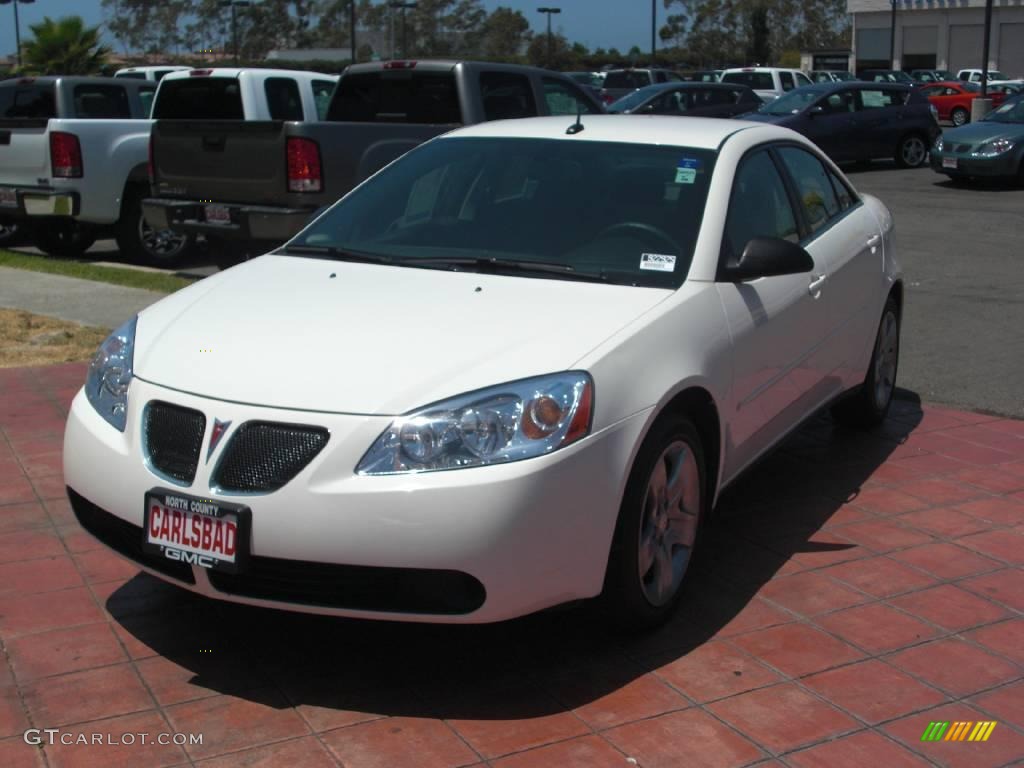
(855, 587)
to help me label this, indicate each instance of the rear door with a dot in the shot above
(25, 110)
(204, 149)
(879, 110)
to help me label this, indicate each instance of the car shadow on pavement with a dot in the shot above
(783, 516)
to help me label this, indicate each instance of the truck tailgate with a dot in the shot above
(222, 160)
(24, 152)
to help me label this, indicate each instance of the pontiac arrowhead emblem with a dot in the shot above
(219, 428)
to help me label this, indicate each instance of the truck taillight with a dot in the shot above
(65, 156)
(303, 165)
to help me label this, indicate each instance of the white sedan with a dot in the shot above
(513, 369)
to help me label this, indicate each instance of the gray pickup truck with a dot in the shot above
(247, 186)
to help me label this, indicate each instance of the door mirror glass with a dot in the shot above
(770, 257)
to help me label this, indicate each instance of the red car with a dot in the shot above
(953, 99)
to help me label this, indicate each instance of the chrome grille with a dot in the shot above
(262, 456)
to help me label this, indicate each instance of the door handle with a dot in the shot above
(873, 242)
(814, 288)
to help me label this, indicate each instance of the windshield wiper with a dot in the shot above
(338, 254)
(493, 262)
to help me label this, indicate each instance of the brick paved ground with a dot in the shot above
(855, 588)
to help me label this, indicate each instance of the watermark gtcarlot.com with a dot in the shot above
(52, 736)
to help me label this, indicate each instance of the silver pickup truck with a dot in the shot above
(251, 185)
(73, 164)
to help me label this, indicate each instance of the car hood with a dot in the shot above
(983, 130)
(343, 337)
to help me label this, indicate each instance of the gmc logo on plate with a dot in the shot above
(189, 557)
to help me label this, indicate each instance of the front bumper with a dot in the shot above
(531, 534)
(32, 202)
(968, 165)
(247, 222)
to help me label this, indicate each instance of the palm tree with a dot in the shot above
(64, 47)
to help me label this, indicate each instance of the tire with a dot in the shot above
(912, 151)
(8, 233)
(634, 597)
(141, 243)
(868, 405)
(960, 116)
(63, 238)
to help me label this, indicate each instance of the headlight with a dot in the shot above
(938, 144)
(110, 373)
(514, 421)
(994, 147)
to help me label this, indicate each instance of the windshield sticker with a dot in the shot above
(686, 172)
(658, 262)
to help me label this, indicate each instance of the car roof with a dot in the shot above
(690, 85)
(695, 132)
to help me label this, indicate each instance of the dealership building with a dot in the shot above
(937, 34)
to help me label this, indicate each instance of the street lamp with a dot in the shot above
(17, 31)
(403, 7)
(233, 4)
(549, 11)
(654, 24)
(892, 36)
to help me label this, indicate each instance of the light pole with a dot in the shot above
(352, 26)
(233, 4)
(892, 35)
(403, 7)
(17, 30)
(654, 24)
(549, 11)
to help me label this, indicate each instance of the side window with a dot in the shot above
(801, 79)
(506, 95)
(812, 185)
(101, 102)
(160, 74)
(876, 98)
(787, 81)
(675, 78)
(283, 99)
(759, 206)
(322, 92)
(563, 99)
(838, 102)
(146, 96)
(843, 194)
(714, 97)
(930, 91)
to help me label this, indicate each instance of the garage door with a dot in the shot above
(1011, 49)
(965, 43)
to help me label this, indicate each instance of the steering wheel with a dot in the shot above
(645, 229)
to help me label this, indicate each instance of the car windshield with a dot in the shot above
(791, 103)
(633, 100)
(944, 74)
(1010, 112)
(579, 210)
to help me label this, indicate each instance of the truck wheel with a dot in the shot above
(8, 233)
(140, 242)
(63, 238)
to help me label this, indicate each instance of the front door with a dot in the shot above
(777, 324)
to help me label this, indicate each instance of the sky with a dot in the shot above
(605, 23)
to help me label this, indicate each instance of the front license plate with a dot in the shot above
(8, 198)
(206, 532)
(949, 162)
(217, 214)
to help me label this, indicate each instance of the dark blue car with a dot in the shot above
(858, 121)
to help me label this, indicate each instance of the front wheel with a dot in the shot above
(960, 116)
(869, 404)
(911, 152)
(657, 527)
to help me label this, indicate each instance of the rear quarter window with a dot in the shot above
(101, 102)
(505, 96)
(28, 101)
(199, 98)
(396, 96)
(758, 81)
(283, 100)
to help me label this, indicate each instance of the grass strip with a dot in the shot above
(131, 278)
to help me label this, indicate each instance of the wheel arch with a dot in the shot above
(138, 178)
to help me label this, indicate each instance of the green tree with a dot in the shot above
(64, 47)
(504, 34)
(759, 48)
(561, 58)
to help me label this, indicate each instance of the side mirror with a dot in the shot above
(769, 257)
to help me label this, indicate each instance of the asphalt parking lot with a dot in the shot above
(963, 332)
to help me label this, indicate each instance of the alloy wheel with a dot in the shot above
(161, 244)
(668, 523)
(913, 151)
(959, 117)
(887, 350)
